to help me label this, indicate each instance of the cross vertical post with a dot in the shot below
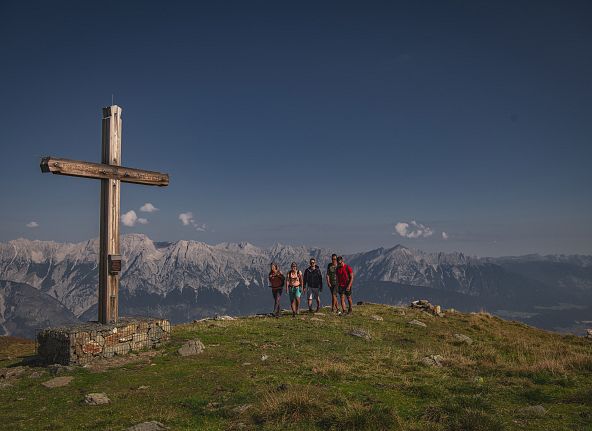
(111, 174)
(109, 230)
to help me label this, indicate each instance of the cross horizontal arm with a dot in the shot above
(77, 168)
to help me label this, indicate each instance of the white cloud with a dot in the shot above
(148, 208)
(413, 230)
(401, 228)
(188, 220)
(444, 235)
(130, 219)
(32, 224)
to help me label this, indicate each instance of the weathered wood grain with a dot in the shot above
(77, 168)
(110, 204)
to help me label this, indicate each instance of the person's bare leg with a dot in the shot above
(309, 302)
(297, 302)
(279, 303)
(318, 302)
(349, 303)
(342, 303)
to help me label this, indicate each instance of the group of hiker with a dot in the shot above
(339, 278)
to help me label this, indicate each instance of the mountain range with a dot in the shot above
(185, 280)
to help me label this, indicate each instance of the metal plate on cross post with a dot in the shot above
(114, 264)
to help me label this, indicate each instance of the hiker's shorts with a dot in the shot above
(344, 291)
(313, 293)
(295, 292)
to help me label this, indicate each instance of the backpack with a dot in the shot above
(278, 281)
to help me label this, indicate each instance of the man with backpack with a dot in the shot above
(345, 279)
(313, 280)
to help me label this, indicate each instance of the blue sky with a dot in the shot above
(319, 123)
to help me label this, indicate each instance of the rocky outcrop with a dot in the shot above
(424, 305)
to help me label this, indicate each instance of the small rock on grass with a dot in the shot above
(432, 361)
(12, 372)
(191, 347)
(264, 358)
(419, 323)
(537, 410)
(316, 319)
(463, 339)
(58, 382)
(96, 399)
(376, 317)
(360, 333)
(148, 426)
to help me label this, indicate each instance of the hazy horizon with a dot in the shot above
(412, 246)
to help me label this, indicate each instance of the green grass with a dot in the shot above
(319, 377)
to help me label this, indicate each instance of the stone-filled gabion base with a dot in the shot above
(80, 344)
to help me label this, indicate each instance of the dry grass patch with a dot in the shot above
(311, 407)
(453, 355)
(534, 355)
(13, 347)
(289, 405)
(331, 369)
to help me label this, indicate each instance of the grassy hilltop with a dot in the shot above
(310, 373)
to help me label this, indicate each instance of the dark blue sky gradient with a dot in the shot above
(321, 123)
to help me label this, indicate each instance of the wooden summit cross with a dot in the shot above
(111, 173)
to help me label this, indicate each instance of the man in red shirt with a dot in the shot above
(345, 279)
